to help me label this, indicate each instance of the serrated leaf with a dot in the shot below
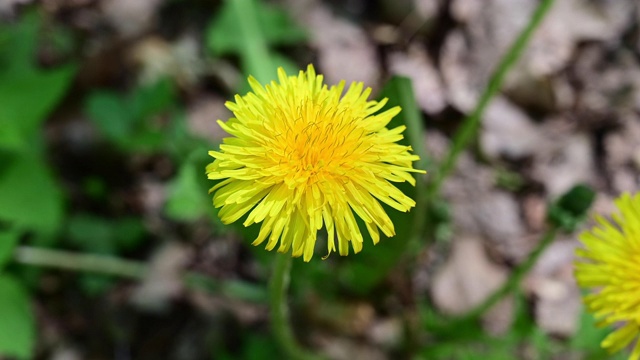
(17, 328)
(31, 199)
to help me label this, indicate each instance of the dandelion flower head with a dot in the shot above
(610, 264)
(303, 156)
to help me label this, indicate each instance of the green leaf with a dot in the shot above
(275, 25)
(188, 200)
(102, 236)
(129, 233)
(399, 91)
(111, 115)
(252, 345)
(11, 135)
(19, 42)
(27, 93)
(248, 28)
(578, 200)
(151, 100)
(31, 199)
(365, 271)
(95, 284)
(258, 347)
(128, 121)
(17, 328)
(572, 207)
(8, 241)
(105, 236)
(282, 61)
(523, 324)
(589, 336)
(26, 99)
(91, 233)
(277, 61)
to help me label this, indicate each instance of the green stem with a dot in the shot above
(114, 266)
(470, 125)
(107, 265)
(278, 288)
(516, 277)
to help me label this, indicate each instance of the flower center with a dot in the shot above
(318, 142)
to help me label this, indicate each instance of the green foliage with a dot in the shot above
(439, 220)
(147, 120)
(17, 328)
(254, 347)
(260, 347)
(399, 91)
(188, 198)
(365, 271)
(224, 33)
(27, 93)
(248, 28)
(588, 338)
(508, 180)
(105, 236)
(8, 241)
(571, 208)
(134, 122)
(31, 199)
(461, 340)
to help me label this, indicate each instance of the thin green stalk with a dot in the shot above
(134, 270)
(278, 288)
(516, 277)
(107, 265)
(114, 266)
(470, 125)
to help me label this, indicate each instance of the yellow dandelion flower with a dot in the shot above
(303, 156)
(610, 263)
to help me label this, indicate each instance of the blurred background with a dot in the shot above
(110, 247)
